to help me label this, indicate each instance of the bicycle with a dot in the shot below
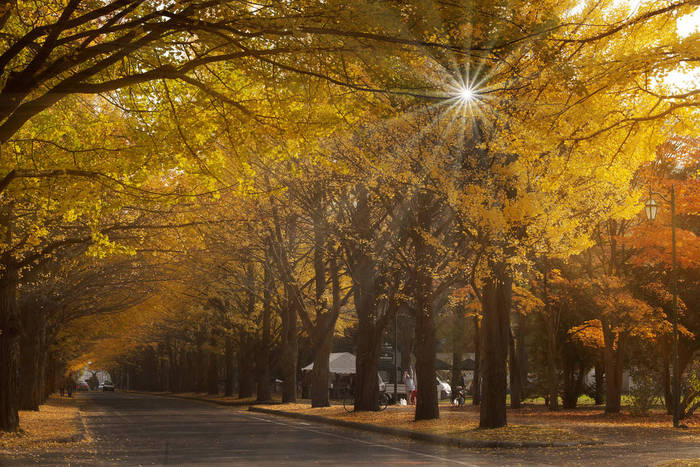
(383, 399)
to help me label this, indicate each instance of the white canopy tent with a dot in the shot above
(341, 363)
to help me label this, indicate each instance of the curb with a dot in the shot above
(437, 439)
(84, 435)
(81, 426)
(198, 399)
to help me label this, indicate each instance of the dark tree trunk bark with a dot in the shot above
(521, 354)
(599, 383)
(164, 367)
(10, 325)
(367, 363)
(366, 288)
(476, 381)
(552, 348)
(50, 365)
(213, 374)
(456, 373)
(668, 398)
(613, 369)
(552, 373)
(572, 379)
(32, 345)
(263, 363)
(191, 371)
(426, 344)
(369, 340)
(246, 362)
(290, 352)
(321, 332)
(246, 376)
(228, 365)
(427, 400)
(320, 373)
(496, 327)
(458, 330)
(515, 373)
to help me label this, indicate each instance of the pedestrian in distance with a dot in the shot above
(410, 387)
(69, 385)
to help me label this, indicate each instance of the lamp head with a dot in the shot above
(650, 208)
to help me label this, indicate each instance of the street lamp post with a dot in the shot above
(396, 376)
(650, 208)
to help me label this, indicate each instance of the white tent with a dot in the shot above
(342, 363)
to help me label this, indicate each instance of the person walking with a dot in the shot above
(410, 387)
(69, 385)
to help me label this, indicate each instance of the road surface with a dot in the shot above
(133, 429)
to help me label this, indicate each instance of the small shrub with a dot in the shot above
(644, 390)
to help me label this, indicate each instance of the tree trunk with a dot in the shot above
(32, 340)
(476, 381)
(367, 363)
(290, 352)
(213, 374)
(426, 345)
(496, 327)
(668, 397)
(322, 331)
(521, 354)
(456, 373)
(228, 365)
(246, 376)
(427, 400)
(613, 369)
(571, 390)
(457, 357)
(515, 382)
(366, 289)
(552, 348)
(10, 327)
(552, 372)
(263, 363)
(599, 383)
(321, 371)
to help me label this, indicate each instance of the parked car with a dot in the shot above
(108, 386)
(82, 386)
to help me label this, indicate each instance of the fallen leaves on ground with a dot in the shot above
(530, 423)
(450, 424)
(55, 425)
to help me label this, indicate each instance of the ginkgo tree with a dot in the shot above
(563, 103)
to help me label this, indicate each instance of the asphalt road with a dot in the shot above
(149, 430)
(132, 429)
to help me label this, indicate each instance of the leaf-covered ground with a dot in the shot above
(55, 427)
(531, 423)
(453, 424)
